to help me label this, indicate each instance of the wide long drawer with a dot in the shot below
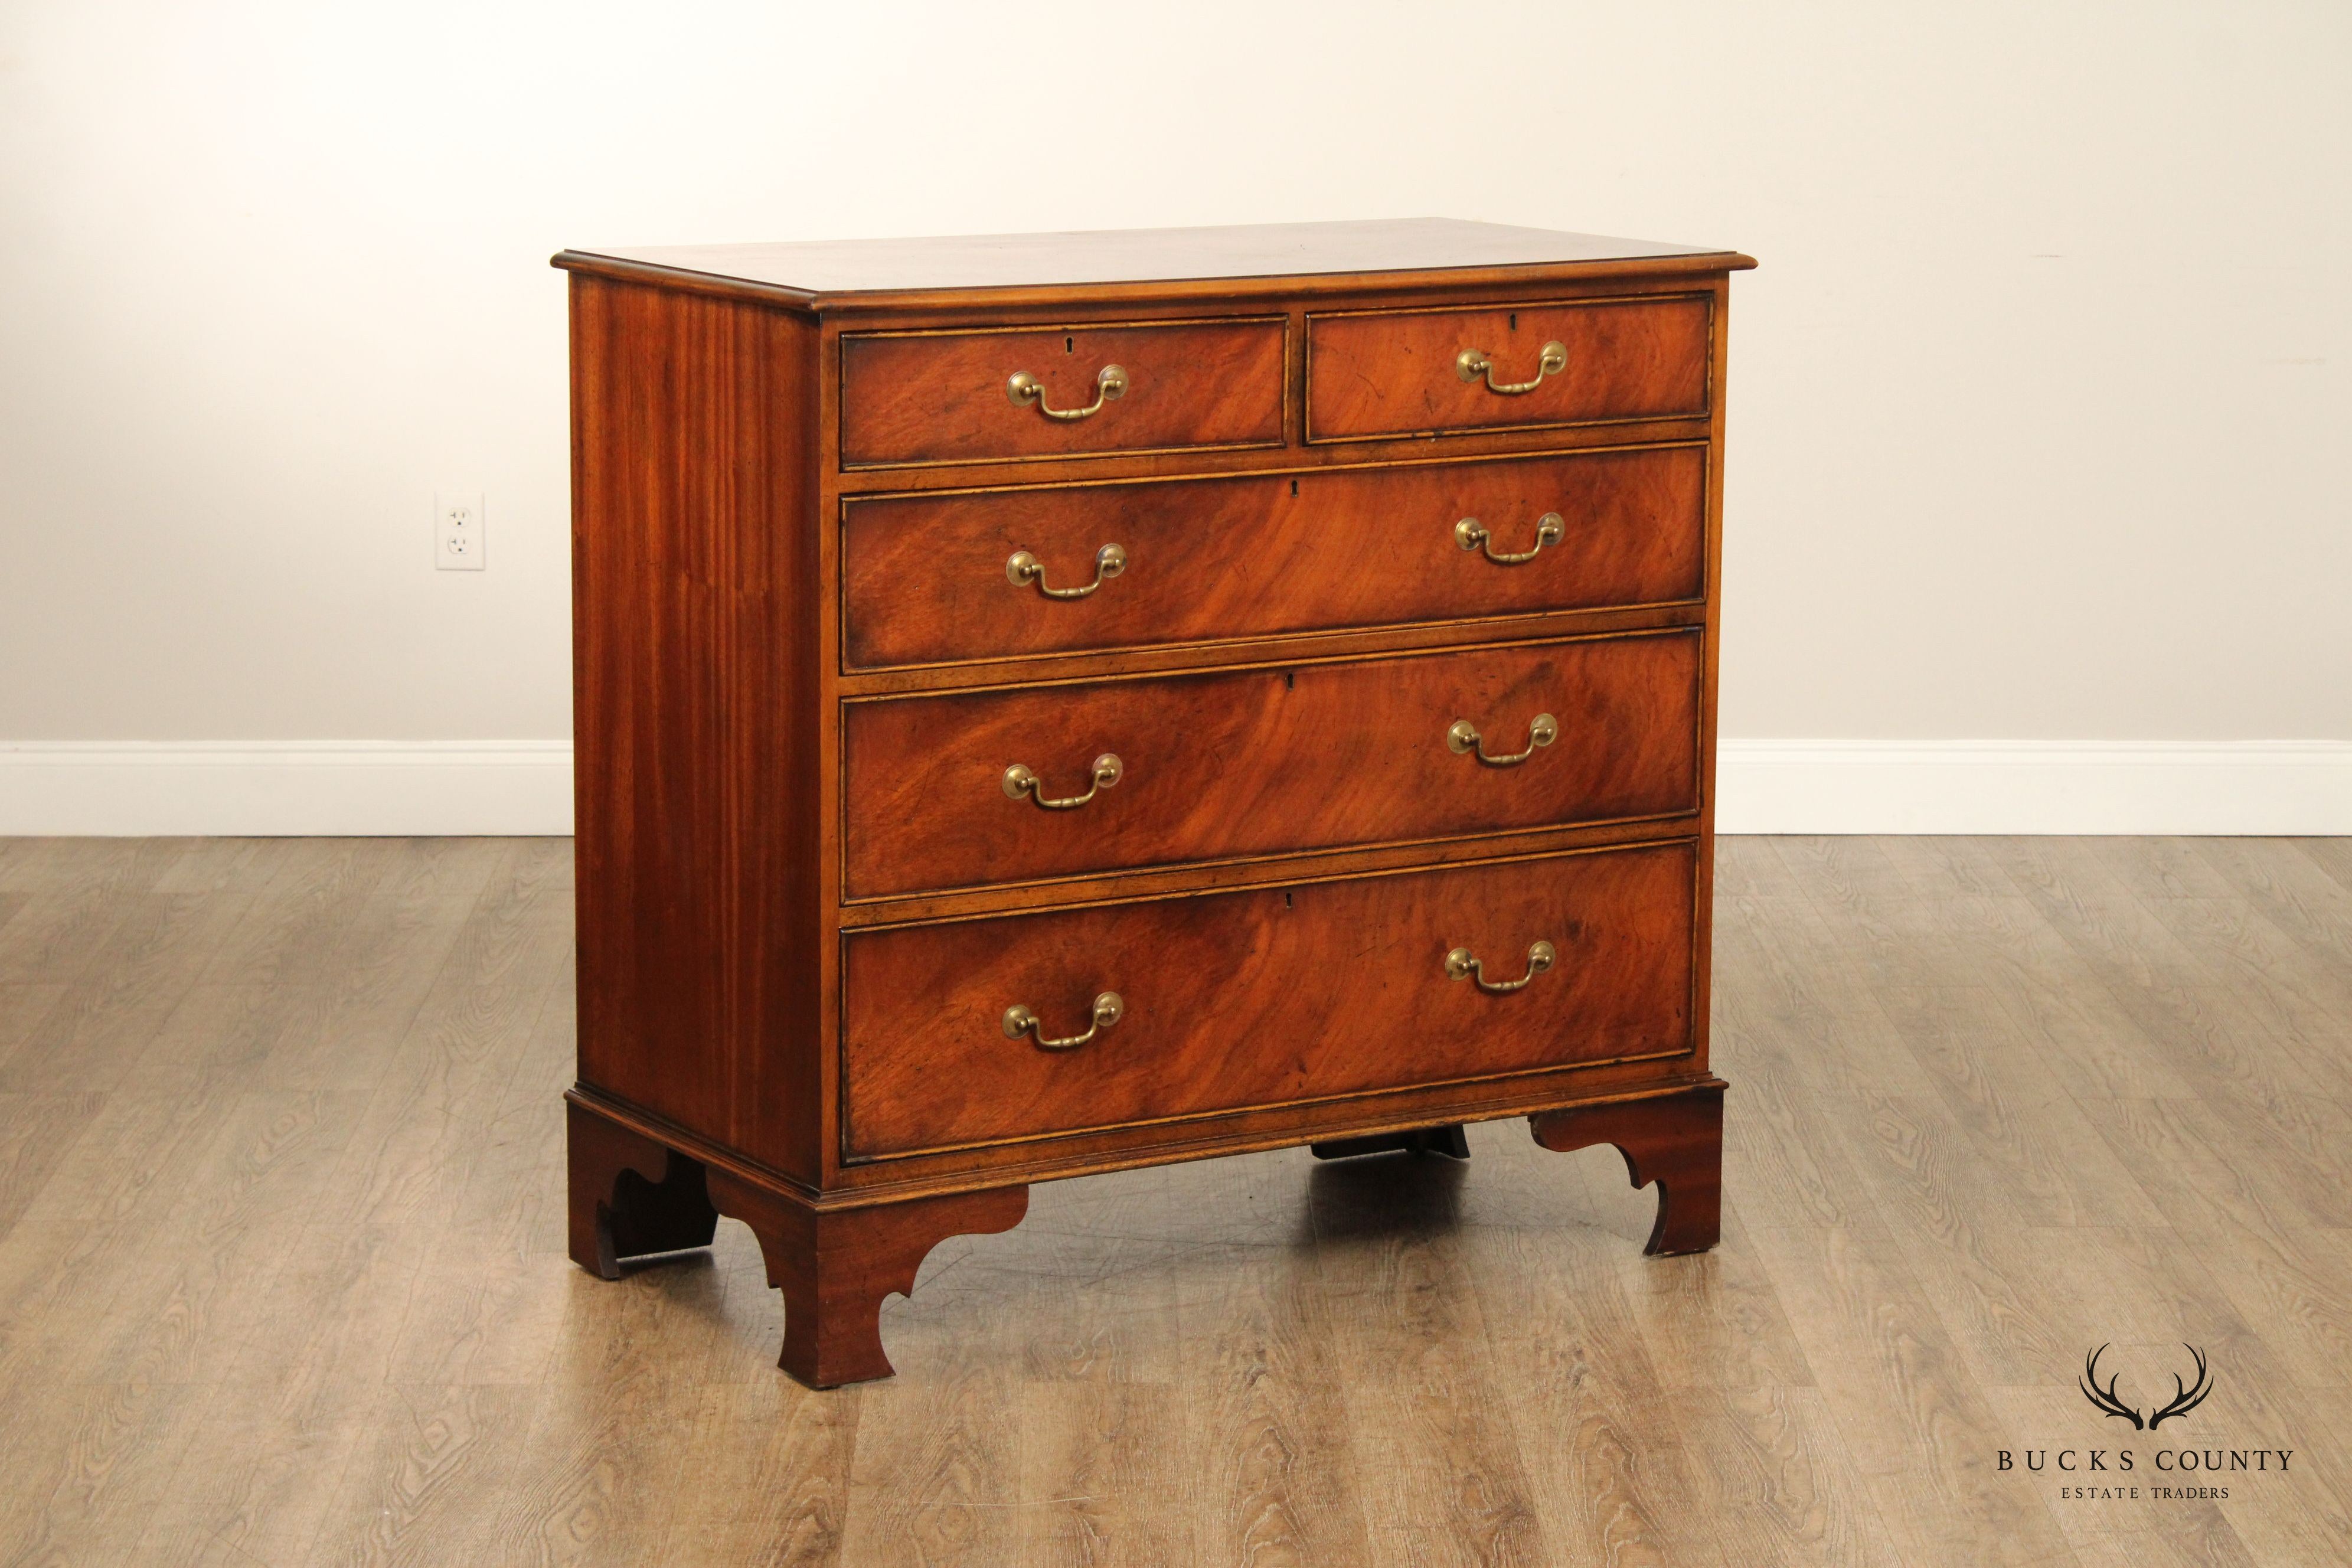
(1592, 362)
(992, 394)
(1018, 786)
(1024, 1027)
(937, 579)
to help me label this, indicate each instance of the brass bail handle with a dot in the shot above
(1024, 568)
(1542, 730)
(1463, 965)
(1019, 1021)
(1110, 381)
(1472, 534)
(1472, 363)
(1019, 781)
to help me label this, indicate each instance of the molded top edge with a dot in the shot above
(1104, 257)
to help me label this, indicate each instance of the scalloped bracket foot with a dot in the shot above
(836, 1266)
(1675, 1140)
(630, 1196)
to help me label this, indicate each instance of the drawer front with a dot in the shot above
(1260, 998)
(943, 397)
(1266, 760)
(928, 579)
(1402, 372)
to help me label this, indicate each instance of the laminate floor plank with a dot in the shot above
(2293, 1287)
(2207, 1033)
(294, 922)
(36, 1132)
(89, 1492)
(283, 1271)
(1586, 1404)
(176, 1310)
(2195, 1164)
(1084, 1299)
(1986, 1267)
(1938, 867)
(1767, 1463)
(1912, 1416)
(1434, 1455)
(2333, 856)
(766, 1477)
(2279, 878)
(1266, 1445)
(86, 1235)
(429, 1466)
(2300, 998)
(596, 1477)
(1717, 1323)
(2039, 1149)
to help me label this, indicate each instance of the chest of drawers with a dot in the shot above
(1053, 704)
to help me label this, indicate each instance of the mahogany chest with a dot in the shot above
(1050, 704)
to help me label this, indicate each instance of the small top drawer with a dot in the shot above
(994, 394)
(1422, 373)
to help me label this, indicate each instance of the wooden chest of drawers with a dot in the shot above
(1058, 703)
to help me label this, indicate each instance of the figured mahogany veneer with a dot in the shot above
(1311, 992)
(837, 983)
(940, 397)
(923, 578)
(1393, 373)
(1261, 761)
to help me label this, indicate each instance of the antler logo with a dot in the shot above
(2184, 1398)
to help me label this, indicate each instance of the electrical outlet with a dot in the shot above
(458, 533)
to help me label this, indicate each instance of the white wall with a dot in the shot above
(2039, 401)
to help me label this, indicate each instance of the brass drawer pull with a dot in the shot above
(1460, 964)
(1110, 381)
(1024, 568)
(1542, 730)
(1019, 781)
(1471, 534)
(1108, 1010)
(1472, 363)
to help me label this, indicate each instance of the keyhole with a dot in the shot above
(1285, 900)
(1290, 680)
(1514, 320)
(1069, 346)
(1293, 487)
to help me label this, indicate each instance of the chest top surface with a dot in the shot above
(820, 268)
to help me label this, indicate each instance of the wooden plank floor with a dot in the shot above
(282, 1273)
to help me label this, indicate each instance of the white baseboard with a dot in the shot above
(2254, 787)
(282, 788)
(467, 787)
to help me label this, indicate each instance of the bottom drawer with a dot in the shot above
(1269, 997)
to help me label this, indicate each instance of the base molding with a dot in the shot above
(285, 788)
(2251, 787)
(274, 788)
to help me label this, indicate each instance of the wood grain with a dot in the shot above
(923, 577)
(1263, 997)
(940, 397)
(696, 721)
(1267, 761)
(1380, 373)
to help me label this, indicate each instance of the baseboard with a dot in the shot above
(467, 787)
(273, 789)
(2251, 788)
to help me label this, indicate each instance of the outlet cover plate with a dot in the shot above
(457, 532)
